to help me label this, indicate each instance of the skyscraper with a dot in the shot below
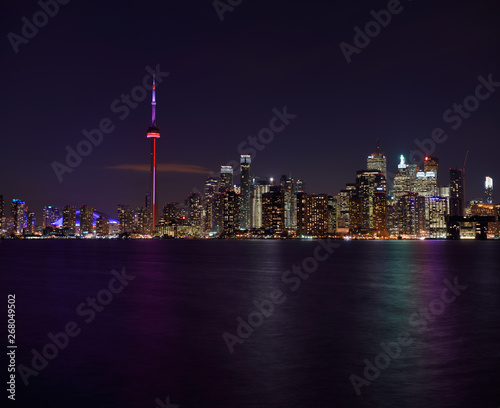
(226, 179)
(431, 164)
(246, 191)
(69, 220)
(405, 179)
(102, 227)
(51, 214)
(411, 216)
(273, 211)
(258, 188)
(126, 215)
(211, 191)
(31, 224)
(228, 212)
(86, 220)
(438, 210)
(377, 161)
(456, 193)
(171, 213)
(370, 201)
(194, 209)
(153, 134)
(19, 211)
(488, 190)
(288, 186)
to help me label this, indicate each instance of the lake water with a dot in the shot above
(168, 332)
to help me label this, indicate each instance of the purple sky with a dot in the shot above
(225, 79)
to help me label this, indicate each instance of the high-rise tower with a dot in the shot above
(153, 134)
(246, 186)
(488, 190)
(456, 193)
(377, 161)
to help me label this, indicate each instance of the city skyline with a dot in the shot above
(275, 178)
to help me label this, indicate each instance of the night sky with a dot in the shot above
(225, 78)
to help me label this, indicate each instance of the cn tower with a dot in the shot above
(153, 134)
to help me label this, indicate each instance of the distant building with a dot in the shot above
(368, 204)
(258, 190)
(126, 216)
(488, 190)
(431, 164)
(246, 191)
(194, 208)
(51, 214)
(438, 211)
(143, 221)
(456, 193)
(102, 227)
(69, 220)
(411, 216)
(86, 220)
(229, 204)
(226, 179)
(31, 224)
(210, 193)
(19, 211)
(171, 212)
(405, 179)
(342, 211)
(273, 211)
(377, 161)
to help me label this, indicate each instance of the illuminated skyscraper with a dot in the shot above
(69, 220)
(86, 220)
(102, 227)
(228, 212)
(153, 134)
(488, 190)
(369, 203)
(194, 209)
(342, 211)
(31, 224)
(438, 210)
(431, 164)
(273, 210)
(317, 215)
(377, 161)
(19, 211)
(246, 191)
(126, 215)
(405, 179)
(456, 193)
(226, 179)
(51, 214)
(411, 216)
(211, 191)
(171, 213)
(290, 195)
(258, 188)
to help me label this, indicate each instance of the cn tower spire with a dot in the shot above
(153, 102)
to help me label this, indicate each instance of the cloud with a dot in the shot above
(163, 167)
